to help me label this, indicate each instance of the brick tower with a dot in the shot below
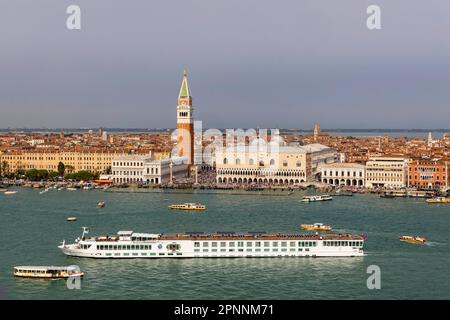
(185, 122)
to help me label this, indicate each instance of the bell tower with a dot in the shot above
(185, 121)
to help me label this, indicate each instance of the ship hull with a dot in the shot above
(159, 251)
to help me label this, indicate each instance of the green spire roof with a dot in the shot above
(185, 92)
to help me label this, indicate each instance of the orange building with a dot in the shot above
(428, 174)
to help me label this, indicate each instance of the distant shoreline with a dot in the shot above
(160, 130)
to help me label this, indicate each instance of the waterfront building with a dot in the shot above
(76, 160)
(275, 165)
(147, 169)
(386, 171)
(347, 174)
(428, 173)
(185, 122)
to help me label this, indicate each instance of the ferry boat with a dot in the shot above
(413, 240)
(324, 197)
(47, 272)
(188, 206)
(438, 200)
(316, 227)
(129, 244)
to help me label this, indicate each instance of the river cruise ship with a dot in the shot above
(129, 244)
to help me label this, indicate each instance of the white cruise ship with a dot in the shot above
(129, 244)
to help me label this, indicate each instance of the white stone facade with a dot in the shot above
(143, 169)
(347, 174)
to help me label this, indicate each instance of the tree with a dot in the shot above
(4, 168)
(53, 175)
(37, 175)
(82, 175)
(61, 169)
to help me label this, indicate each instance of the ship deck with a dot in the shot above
(234, 236)
(219, 237)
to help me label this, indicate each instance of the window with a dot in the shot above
(231, 244)
(285, 163)
(266, 244)
(251, 162)
(274, 244)
(196, 244)
(223, 244)
(272, 162)
(205, 244)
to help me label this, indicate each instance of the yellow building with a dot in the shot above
(90, 160)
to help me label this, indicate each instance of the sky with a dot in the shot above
(252, 63)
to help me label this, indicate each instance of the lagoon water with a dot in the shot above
(33, 224)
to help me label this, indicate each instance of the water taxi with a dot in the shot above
(101, 204)
(130, 244)
(188, 206)
(413, 240)
(438, 200)
(10, 192)
(316, 227)
(47, 272)
(324, 197)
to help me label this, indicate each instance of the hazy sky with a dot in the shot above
(251, 63)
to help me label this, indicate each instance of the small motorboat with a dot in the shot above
(72, 219)
(413, 240)
(438, 200)
(71, 189)
(316, 227)
(188, 206)
(101, 204)
(324, 197)
(44, 191)
(10, 192)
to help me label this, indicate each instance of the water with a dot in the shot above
(32, 225)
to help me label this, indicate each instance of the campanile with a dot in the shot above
(185, 121)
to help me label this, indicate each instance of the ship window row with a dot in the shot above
(251, 250)
(125, 247)
(343, 243)
(241, 244)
